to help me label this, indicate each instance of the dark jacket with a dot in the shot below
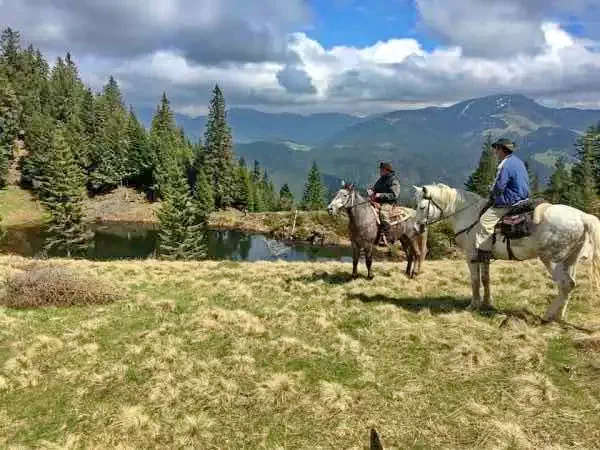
(389, 186)
(512, 183)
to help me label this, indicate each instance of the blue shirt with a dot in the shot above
(512, 183)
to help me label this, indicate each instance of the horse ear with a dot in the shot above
(424, 191)
(343, 183)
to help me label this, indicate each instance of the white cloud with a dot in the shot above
(184, 47)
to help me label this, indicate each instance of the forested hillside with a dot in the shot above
(67, 141)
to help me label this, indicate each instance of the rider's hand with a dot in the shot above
(370, 192)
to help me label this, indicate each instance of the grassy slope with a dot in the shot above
(19, 208)
(295, 355)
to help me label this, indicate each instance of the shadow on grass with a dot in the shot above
(435, 304)
(338, 277)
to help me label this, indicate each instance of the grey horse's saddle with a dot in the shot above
(398, 214)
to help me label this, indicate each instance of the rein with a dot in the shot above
(443, 217)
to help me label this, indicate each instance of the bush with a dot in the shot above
(41, 286)
(440, 241)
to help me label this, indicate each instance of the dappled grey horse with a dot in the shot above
(562, 236)
(364, 231)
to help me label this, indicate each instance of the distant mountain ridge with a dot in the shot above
(249, 125)
(425, 145)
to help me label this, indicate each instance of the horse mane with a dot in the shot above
(448, 197)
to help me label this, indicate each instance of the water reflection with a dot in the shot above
(139, 241)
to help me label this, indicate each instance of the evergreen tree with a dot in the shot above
(534, 181)
(10, 50)
(164, 145)
(286, 198)
(268, 192)
(10, 111)
(219, 162)
(110, 162)
(584, 172)
(483, 177)
(314, 191)
(243, 187)
(64, 189)
(39, 128)
(203, 195)
(182, 233)
(559, 189)
(139, 157)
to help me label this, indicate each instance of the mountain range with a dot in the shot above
(425, 145)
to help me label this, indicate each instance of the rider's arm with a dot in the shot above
(500, 186)
(391, 196)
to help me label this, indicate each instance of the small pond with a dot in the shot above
(139, 241)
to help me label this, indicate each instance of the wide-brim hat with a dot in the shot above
(386, 165)
(505, 143)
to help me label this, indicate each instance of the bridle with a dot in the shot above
(442, 217)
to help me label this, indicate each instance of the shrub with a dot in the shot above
(41, 286)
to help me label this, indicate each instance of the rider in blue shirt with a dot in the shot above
(510, 187)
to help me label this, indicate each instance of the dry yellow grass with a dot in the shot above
(297, 355)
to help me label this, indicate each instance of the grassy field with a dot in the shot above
(297, 355)
(19, 208)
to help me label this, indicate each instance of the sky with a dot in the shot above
(306, 56)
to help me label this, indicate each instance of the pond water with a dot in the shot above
(139, 241)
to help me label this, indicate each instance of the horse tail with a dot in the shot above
(592, 227)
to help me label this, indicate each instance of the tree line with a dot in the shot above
(79, 142)
(575, 183)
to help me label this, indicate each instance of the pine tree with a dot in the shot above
(10, 50)
(10, 111)
(203, 195)
(64, 189)
(584, 172)
(314, 191)
(219, 162)
(182, 233)
(534, 181)
(39, 128)
(110, 162)
(139, 158)
(268, 192)
(483, 177)
(242, 178)
(286, 198)
(163, 145)
(559, 189)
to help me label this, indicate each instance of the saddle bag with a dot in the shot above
(516, 226)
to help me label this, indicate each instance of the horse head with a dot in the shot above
(428, 209)
(341, 199)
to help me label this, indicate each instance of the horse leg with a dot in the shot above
(355, 257)
(422, 245)
(369, 261)
(485, 279)
(564, 276)
(475, 285)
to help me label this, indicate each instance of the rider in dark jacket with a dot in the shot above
(386, 192)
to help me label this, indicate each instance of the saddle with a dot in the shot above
(518, 223)
(397, 215)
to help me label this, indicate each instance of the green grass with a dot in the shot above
(295, 355)
(19, 208)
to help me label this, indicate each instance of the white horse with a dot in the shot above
(561, 237)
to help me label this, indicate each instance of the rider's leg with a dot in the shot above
(485, 232)
(384, 216)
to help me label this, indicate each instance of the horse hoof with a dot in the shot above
(370, 277)
(354, 276)
(472, 307)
